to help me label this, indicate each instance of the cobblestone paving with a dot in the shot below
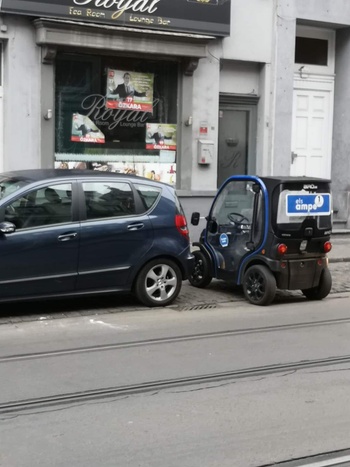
(190, 298)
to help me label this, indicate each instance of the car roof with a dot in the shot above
(36, 175)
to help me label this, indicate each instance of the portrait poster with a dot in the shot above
(129, 90)
(161, 136)
(85, 131)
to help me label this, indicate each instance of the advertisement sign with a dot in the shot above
(129, 90)
(317, 204)
(161, 136)
(193, 16)
(85, 131)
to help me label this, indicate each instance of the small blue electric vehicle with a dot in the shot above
(264, 233)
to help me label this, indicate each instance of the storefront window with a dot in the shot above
(117, 114)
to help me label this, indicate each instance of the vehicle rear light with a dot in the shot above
(181, 225)
(282, 249)
(327, 247)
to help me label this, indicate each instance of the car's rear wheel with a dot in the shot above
(323, 288)
(200, 275)
(158, 283)
(259, 285)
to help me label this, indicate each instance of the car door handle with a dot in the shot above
(66, 237)
(137, 226)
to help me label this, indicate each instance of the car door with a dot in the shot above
(41, 256)
(232, 225)
(116, 236)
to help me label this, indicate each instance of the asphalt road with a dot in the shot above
(286, 395)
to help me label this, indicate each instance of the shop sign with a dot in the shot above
(194, 16)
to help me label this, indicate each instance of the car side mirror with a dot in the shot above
(7, 227)
(195, 218)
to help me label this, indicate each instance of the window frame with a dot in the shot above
(317, 33)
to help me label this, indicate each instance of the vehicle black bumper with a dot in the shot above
(296, 274)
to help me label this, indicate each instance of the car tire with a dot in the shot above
(200, 276)
(158, 283)
(259, 285)
(323, 288)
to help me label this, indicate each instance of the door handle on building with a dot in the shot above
(294, 156)
(232, 141)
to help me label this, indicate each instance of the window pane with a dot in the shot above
(148, 195)
(49, 205)
(311, 51)
(110, 111)
(106, 199)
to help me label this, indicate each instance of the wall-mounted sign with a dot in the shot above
(194, 16)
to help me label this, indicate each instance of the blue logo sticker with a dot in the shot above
(317, 204)
(224, 240)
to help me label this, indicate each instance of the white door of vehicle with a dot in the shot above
(312, 127)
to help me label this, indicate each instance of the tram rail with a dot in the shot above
(167, 340)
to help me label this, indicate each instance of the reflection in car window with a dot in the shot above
(148, 195)
(108, 199)
(46, 206)
(10, 185)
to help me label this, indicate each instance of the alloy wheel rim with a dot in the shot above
(255, 285)
(161, 282)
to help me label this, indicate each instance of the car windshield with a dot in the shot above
(9, 185)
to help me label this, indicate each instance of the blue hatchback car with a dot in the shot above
(77, 232)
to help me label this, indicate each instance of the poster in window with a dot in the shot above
(161, 136)
(129, 90)
(85, 131)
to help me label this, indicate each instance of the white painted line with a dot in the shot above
(122, 328)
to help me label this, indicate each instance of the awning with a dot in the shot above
(55, 34)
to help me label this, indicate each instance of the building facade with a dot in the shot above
(185, 91)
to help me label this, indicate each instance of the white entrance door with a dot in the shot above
(312, 127)
(1, 117)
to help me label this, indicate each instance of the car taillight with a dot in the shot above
(327, 246)
(282, 249)
(181, 225)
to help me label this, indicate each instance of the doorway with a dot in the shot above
(2, 165)
(312, 125)
(313, 96)
(237, 136)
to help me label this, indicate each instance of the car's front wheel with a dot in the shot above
(158, 283)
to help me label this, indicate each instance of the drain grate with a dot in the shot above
(204, 306)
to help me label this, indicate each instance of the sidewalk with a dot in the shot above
(340, 248)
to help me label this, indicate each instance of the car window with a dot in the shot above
(148, 194)
(108, 199)
(9, 185)
(45, 206)
(236, 200)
